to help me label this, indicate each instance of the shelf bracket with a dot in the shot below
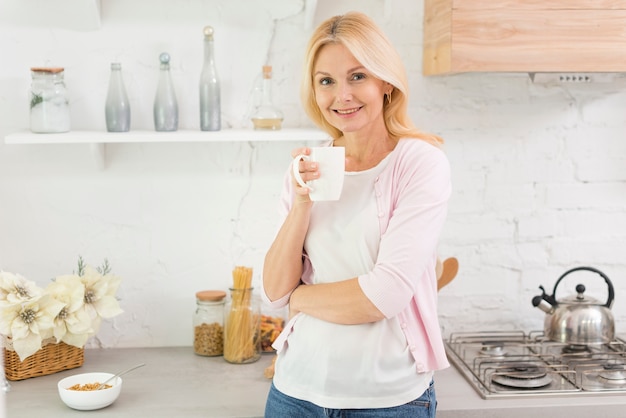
(98, 150)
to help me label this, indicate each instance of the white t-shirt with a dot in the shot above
(348, 366)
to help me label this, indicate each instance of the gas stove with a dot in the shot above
(503, 364)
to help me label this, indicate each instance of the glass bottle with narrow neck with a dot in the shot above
(117, 106)
(165, 104)
(210, 119)
(266, 115)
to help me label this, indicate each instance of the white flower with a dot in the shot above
(15, 288)
(70, 309)
(72, 325)
(29, 323)
(100, 290)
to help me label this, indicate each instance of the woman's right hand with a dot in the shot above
(309, 170)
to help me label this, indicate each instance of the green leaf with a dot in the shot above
(35, 99)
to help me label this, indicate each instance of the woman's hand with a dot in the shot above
(341, 302)
(309, 170)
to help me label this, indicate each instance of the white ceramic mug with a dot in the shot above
(332, 166)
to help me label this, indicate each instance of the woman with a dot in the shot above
(358, 274)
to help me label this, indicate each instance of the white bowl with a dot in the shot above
(87, 400)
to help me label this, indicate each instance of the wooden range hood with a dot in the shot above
(528, 36)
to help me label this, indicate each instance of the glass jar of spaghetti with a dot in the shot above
(242, 318)
(208, 323)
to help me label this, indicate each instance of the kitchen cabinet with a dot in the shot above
(98, 139)
(524, 36)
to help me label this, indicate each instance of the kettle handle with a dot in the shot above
(609, 301)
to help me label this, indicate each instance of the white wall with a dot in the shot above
(539, 171)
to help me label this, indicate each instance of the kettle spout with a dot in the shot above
(545, 302)
(539, 302)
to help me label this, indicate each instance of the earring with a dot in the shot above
(388, 96)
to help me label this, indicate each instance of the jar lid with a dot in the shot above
(53, 70)
(210, 295)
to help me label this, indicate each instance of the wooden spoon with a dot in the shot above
(449, 271)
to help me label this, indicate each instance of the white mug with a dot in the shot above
(331, 165)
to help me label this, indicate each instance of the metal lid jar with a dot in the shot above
(208, 323)
(49, 105)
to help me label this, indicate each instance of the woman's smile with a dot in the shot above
(347, 112)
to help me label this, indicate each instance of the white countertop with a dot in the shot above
(177, 383)
(174, 383)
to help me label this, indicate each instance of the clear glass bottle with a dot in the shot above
(49, 105)
(117, 106)
(210, 107)
(165, 104)
(266, 115)
(208, 323)
(242, 342)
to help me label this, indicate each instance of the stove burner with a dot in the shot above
(513, 363)
(613, 374)
(576, 349)
(493, 348)
(522, 376)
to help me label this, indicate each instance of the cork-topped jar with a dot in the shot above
(49, 104)
(208, 323)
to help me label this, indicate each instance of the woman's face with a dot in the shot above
(349, 96)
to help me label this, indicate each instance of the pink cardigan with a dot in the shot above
(412, 195)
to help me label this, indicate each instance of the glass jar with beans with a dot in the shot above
(208, 323)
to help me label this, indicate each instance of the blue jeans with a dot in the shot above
(279, 405)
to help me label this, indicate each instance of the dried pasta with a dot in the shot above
(241, 334)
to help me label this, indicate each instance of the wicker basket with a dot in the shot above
(52, 358)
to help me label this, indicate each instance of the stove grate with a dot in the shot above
(514, 363)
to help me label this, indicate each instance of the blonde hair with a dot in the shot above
(371, 47)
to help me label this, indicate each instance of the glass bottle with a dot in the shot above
(49, 105)
(242, 342)
(117, 106)
(210, 119)
(165, 105)
(266, 115)
(208, 323)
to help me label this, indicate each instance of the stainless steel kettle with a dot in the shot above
(577, 319)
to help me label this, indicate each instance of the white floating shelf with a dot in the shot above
(98, 139)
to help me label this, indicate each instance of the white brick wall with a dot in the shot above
(539, 170)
